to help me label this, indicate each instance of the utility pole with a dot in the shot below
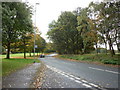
(35, 30)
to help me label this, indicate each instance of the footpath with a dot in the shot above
(24, 78)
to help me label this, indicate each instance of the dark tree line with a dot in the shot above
(84, 29)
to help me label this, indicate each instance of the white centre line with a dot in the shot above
(77, 78)
(86, 85)
(104, 70)
(66, 76)
(112, 72)
(78, 81)
(96, 69)
(74, 78)
(71, 78)
(84, 81)
(93, 85)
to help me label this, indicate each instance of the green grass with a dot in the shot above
(15, 63)
(16, 55)
(106, 59)
(11, 65)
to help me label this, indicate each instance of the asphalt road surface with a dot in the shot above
(68, 74)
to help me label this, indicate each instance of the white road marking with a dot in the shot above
(78, 81)
(9, 85)
(93, 85)
(77, 78)
(71, 75)
(74, 78)
(112, 72)
(96, 68)
(66, 76)
(104, 70)
(62, 74)
(84, 81)
(86, 85)
(71, 78)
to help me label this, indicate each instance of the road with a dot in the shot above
(68, 74)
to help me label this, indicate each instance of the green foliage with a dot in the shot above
(41, 43)
(106, 59)
(3, 50)
(107, 22)
(49, 51)
(16, 21)
(64, 34)
(49, 48)
(79, 31)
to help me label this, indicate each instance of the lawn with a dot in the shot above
(16, 55)
(15, 63)
(103, 58)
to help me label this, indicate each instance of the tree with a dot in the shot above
(41, 44)
(49, 47)
(16, 19)
(64, 34)
(107, 23)
(79, 31)
(86, 30)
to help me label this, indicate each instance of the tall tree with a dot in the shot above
(108, 23)
(86, 30)
(16, 19)
(63, 33)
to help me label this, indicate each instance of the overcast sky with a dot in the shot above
(49, 10)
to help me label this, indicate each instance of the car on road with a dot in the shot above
(42, 56)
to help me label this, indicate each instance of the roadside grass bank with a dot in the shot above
(102, 58)
(16, 62)
(13, 64)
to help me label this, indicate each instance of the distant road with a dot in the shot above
(86, 75)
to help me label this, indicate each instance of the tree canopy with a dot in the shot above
(16, 22)
(85, 29)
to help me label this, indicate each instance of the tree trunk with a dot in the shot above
(24, 50)
(96, 48)
(111, 48)
(106, 48)
(24, 53)
(30, 53)
(117, 38)
(8, 51)
(113, 51)
(105, 44)
(37, 53)
(118, 47)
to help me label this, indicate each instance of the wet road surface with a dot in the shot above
(68, 74)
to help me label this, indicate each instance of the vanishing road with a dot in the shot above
(68, 74)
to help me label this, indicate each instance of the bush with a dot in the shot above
(106, 59)
(49, 51)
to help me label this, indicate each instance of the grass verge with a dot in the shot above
(13, 64)
(102, 58)
(18, 55)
